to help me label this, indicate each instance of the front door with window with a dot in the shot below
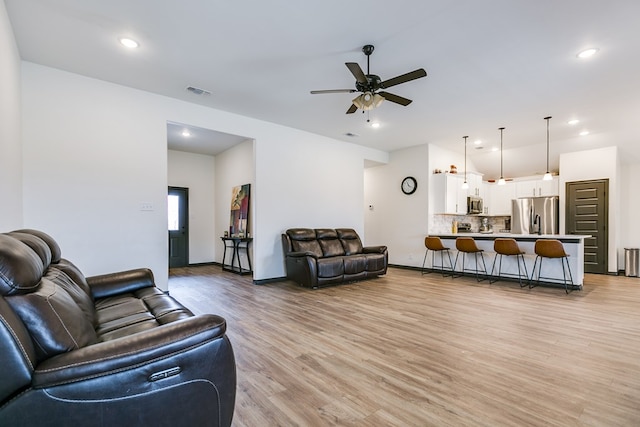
(177, 202)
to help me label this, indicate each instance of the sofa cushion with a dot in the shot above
(330, 267)
(355, 264)
(54, 320)
(56, 253)
(329, 242)
(350, 241)
(304, 240)
(20, 267)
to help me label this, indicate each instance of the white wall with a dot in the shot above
(628, 214)
(10, 138)
(305, 182)
(397, 220)
(197, 173)
(95, 151)
(590, 165)
(234, 167)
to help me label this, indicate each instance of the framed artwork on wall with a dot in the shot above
(239, 210)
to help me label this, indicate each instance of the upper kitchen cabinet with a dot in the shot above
(475, 184)
(448, 195)
(537, 187)
(500, 197)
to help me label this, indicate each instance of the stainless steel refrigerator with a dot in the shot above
(533, 215)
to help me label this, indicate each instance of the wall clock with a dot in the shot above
(409, 185)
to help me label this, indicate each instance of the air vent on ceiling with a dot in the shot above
(198, 91)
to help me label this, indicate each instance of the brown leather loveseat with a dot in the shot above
(326, 256)
(105, 350)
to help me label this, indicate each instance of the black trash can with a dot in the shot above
(631, 261)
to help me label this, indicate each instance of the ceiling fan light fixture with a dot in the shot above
(368, 101)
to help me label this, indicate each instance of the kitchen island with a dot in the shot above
(552, 269)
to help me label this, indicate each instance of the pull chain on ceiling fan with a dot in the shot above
(369, 85)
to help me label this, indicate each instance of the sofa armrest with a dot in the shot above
(118, 355)
(106, 285)
(374, 249)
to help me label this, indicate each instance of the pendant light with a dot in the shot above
(501, 180)
(547, 176)
(465, 184)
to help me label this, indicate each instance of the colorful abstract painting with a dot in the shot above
(239, 210)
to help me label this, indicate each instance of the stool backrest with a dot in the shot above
(549, 248)
(434, 243)
(506, 246)
(466, 244)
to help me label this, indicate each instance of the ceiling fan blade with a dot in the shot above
(404, 78)
(395, 98)
(352, 109)
(357, 72)
(315, 92)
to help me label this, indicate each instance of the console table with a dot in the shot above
(236, 244)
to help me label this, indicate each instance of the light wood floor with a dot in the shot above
(412, 350)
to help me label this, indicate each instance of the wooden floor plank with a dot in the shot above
(414, 350)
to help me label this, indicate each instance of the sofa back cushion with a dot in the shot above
(20, 266)
(54, 320)
(304, 240)
(350, 241)
(329, 242)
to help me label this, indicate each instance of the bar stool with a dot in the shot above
(551, 248)
(467, 245)
(509, 247)
(434, 244)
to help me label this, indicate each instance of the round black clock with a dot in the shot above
(409, 185)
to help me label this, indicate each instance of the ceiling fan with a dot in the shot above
(369, 85)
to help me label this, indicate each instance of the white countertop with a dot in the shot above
(512, 236)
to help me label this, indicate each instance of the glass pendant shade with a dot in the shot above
(368, 101)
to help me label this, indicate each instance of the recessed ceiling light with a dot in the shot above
(587, 53)
(477, 141)
(584, 133)
(494, 149)
(573, 122)
(130, 43)
(186, 133)
(375, 124)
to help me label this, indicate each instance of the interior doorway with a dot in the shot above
(587, 213)
(178, 225)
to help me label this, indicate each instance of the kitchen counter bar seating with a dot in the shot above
(552, 249)
(467, 245)
(434, 244)
(508, 247)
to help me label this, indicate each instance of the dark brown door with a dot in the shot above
(587, 213)
(178, 202)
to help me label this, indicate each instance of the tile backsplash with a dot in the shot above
(443, 223)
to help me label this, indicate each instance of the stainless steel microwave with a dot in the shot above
(474, 205)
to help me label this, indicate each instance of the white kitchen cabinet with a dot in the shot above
(448, 195)
(500, 197)
(475, 184)
(537, 187)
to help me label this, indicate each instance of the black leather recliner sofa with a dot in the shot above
(325, 256)
(105, 350)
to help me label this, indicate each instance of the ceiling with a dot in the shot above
(490, 64)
